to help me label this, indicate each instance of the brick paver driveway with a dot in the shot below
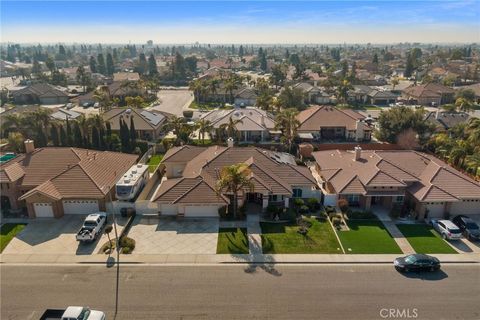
(52, 236)
(168, 236)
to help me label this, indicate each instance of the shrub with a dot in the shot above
(336, 221)
(313, 204)
(329, 209)
(298, 202)
(187, 114)
(361, 215)
(343, 205)
(304, 209)
(127, 244)
(142, 145)
(289, 215)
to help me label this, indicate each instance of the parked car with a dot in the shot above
(73, 313)
(96, 105)
(469, 228)
(69, 106)
(447, 229)
(416, 262)
(87, 104)
(92, 226)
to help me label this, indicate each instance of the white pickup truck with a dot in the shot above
(92, 226)
(73, 313)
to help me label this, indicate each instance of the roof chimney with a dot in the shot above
(230, 142)
(29, 146)
(358, 153)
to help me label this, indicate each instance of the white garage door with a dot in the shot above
(436, 210)
(168, 210)
(80, 206)
(465, 207)
(43, 210)
(201, 211)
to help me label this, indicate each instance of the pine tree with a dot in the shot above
(133, 132)
(110, 65)
(152, 65)
(54, 135)
(142, 63)
(101, 68)
(375, 59)
(93, 64)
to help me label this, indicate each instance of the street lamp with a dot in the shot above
(117, 246)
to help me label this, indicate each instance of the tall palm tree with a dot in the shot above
(464, 104)
(472, 164)
(459, 152)
(264, 101)
(231, 127)
(287, 123)
(342, 91)
(233, 179)
(231, 84)
(211, 87)
(473, 129)
(177, 125)
(14, 122)
(196, 87)
(103, 97)
(204, 126)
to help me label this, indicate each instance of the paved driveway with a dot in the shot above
(174, 101)
(168, 236)
(53, 236)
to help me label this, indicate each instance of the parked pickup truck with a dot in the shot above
(73, 313)
(92, 226)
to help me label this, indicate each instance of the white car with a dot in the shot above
(82, 313)
(447, 229)
(92, 226)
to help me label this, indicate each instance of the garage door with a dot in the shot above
(436, 210)
(465, 207)
(201, 211)
(80, 206)
(43, 210)
(168, 210)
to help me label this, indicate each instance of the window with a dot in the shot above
(398, 199)
(297, 193)
(272, 197)
(353, 199)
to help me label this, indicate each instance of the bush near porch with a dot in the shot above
(8, 232)
(424, 239)
(367, 236)
(232, 241)
(285, 238)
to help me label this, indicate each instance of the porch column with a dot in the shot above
(245, 133)
(264, 201)
(261, 135)
(286, 201)
(368, 202)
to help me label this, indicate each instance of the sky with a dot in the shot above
(266, 22)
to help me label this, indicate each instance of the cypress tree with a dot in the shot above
(95, 138)
(133, 132)
(63, 137)
(69, 134)
(152, 65)
(101, 143)
(110, 66)
(41, 138)
(93, 65)
(54, 135)
(77, 135)
(101, 68)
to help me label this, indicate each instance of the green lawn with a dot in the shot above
(232, 241)
(367, 236)
(283, 238)
(8, 232)
(424, 239)
(154, 162)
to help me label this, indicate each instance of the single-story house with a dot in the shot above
(444, 121)
(413, 180)
(330, 123)
(192, 172)
(313, 94)
(119, 90)
(40, 93)
(148, 124)
(256, 124)
(52, 182)
(429, 94)
(64, 114)
(125, 76)
(381, 97)
(245, 97)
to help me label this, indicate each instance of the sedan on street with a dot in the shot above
(416, 262)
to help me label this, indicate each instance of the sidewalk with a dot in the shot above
(396, 234)
(208, 259)
(254, 234)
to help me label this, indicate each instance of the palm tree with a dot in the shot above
(472, 164)
(342, 91)
(231, 84)
(233, 179)
(211, 87)
(102, 96)
(231, 127)
(264, 101)
(459, 152)
(287, 122)
(177, 125)
(473, 129)
(196, 87)
(464, 104)
(394, 83)
(204, 126)
(14, 122)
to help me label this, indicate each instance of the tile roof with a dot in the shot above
(253, 119)
(312, 119)
(271, 172)
(67, 172)
(142, 119)
(428, 90)
(425, 177)
(41, 90)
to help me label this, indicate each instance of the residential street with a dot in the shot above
(242, 291)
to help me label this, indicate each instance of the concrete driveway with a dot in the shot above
(174, 101)
(168, 236)
(53, 236)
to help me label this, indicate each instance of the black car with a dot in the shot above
(469, 228)
(417, 262)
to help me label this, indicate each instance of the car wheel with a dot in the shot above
(444, 236)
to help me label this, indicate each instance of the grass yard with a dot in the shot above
(424, 239)
(232, 241)
(367, 236)
(283, 238)
(154, 162)
(8, 232)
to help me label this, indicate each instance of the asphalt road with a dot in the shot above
(242, 292)
(174, 101)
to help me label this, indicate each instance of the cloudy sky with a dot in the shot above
(167, 22)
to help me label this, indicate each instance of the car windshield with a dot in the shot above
(90, 223)
(84, 315)
(411, 259)
(472, 225)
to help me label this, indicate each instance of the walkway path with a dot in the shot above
(397, 235)
(254, 234)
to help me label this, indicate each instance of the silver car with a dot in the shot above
(447, 229)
